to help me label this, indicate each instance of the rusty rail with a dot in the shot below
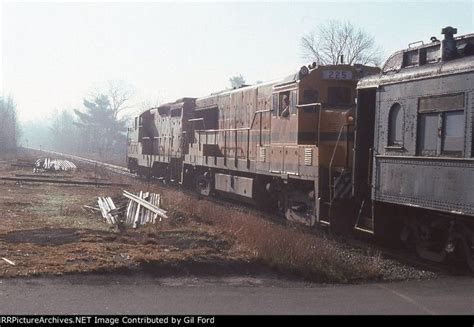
(58, 181)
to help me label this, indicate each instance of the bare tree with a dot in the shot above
(119, 92)
(148, 104)
(237, 81)
(334, 39)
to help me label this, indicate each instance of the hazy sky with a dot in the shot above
(54, 53)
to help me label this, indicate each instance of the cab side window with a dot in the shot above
(275, 110)
(284, 108)
(284, 104)
(293, 101)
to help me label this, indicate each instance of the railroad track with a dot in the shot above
(408, 257)
(405, 256)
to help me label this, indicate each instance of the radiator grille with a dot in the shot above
(308, 156)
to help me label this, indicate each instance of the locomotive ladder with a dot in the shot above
(325, 206)
(364, 223)
(365, 218)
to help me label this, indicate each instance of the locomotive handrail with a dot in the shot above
(223, 130)
(232, 129)
(332, 159)
(259, 112)
(315, 104)
(206, 132)
(422, 158)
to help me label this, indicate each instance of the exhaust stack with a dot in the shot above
(448, 45)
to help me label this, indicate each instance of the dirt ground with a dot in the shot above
(44, 229)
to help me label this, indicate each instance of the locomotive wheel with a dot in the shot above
(203, 185)
(141, 172)
(133, 166)
(265, 199)
(388, 228)
(298, 208)
(282, 204)
(428, 245)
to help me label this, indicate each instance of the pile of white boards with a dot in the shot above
(48, 164)
(142, 208)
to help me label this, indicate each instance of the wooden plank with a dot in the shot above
(90, 207)
(137, 213)
(8, 261)
(145, 204)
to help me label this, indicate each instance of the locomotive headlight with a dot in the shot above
(303, 72)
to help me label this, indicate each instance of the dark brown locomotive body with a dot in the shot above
(286, 144)
(157, 141)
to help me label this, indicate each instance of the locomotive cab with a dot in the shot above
(315, 139)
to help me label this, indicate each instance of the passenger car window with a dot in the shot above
(441, 125)
(395, 125)
(453, 133)
(428, 134)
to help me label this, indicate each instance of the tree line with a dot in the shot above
(9, 130)
(97, 130)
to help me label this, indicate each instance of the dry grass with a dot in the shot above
(286, 249)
